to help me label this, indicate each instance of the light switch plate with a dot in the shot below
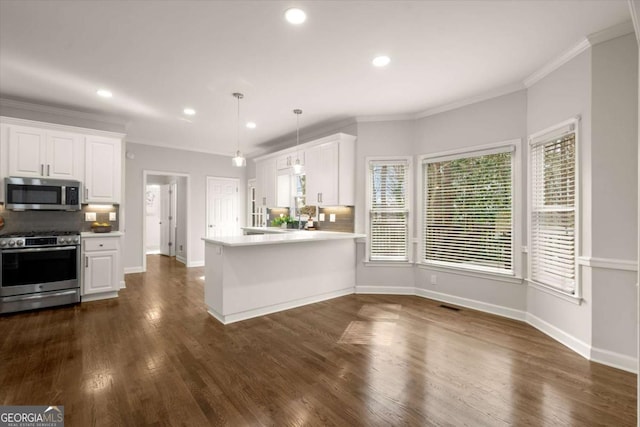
(332, 217)
(112, 216)
(89, 216)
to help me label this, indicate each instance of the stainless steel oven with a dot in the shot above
(39, 270)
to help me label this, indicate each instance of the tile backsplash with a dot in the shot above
(344, 219)
(16, 222)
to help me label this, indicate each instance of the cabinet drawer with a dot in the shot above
(100, 244)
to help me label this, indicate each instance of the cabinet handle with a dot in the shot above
(41, 169)
(48, 167)
(86, 262)
(319, 197)
(86, 193)
(264, 200)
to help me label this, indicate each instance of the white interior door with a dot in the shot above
(222, 206)
(166, 229)
(173, 209)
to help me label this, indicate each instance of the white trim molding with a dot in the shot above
(580, 347)
(616, 360)
(386, 290)
(608, 263)
(486, 307)
(611, 33)
(195, 264)
(131, 270)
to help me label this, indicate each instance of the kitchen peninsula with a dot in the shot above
(252, 275)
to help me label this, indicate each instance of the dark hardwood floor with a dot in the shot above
(155, 357)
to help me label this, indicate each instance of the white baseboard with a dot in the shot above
(616, 360)
(195, 264)
(262, 311)
(388, 290)
(181, 259)
(130, 270)
(499, 310)
(580, 347)
(123, 284)
(98, 297)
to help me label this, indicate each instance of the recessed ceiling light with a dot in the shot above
(295, 16)
(381, 61)
(189, 111)
(251, 125)
(104, 93)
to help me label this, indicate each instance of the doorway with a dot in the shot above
(222, 206)
(165, 216)
(162, 216)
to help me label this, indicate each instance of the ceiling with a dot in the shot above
(158, 57)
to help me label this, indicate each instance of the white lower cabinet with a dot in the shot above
(101, 257)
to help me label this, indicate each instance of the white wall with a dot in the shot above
(614, 196)
(152, 212)
(563, 94)
(198, 166)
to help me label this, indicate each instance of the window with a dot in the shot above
(388, 210)
(468, 210)
(552, 239)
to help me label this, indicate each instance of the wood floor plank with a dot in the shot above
(155, 357)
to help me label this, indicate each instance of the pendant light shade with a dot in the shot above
(297, 165)
(238, 160)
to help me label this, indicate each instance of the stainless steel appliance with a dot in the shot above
(39, 269)
(41, 194)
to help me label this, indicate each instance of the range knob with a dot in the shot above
(76, 240)
(20, 242)
(62, 240)
(12, 242)
(3, 243)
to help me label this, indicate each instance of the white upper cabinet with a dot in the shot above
(35, 152)
(266, 176)
(103, 162)
(329, 165)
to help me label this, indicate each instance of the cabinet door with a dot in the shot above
(4, 164)
(266, 182)
(27, 152)
(102, 170)
(283, 198)
(100, 272)
(65, 155)
(321, 168)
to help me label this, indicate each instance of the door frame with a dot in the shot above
(145, 174)
(206, 198)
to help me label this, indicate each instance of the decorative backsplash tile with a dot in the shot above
(15, 221)
(344, 219)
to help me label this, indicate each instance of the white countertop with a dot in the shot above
(86, 234)
(269, 230)
(279, 238)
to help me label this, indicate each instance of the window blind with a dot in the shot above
(388, 211)
(468, 211)
(553, 212)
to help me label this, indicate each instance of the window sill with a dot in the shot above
(555, 292)
(472, 273)
(387, 263)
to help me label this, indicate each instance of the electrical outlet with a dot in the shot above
(89, 216)
(321, 217)
(112, 216)
(332, 217)
(434, 279)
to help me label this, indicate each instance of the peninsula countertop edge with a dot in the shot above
(280, 238)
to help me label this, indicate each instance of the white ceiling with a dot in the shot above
(161, 56)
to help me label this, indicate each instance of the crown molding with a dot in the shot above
(173, 147)
(385, 118)
(622, 29)
(504, 90)
(610, 33)
(556, 63)
(49, 109)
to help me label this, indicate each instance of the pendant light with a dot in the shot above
(297, 166)
(238, 161)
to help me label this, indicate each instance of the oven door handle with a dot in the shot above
(56, 248)
(39, 296)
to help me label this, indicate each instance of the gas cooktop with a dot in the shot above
(39, 238)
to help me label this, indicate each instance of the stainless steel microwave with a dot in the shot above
(42, 194)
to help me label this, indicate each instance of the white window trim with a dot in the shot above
(409, 160)
(534, 139)
(516, 191)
